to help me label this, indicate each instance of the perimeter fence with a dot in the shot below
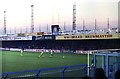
(64, 72)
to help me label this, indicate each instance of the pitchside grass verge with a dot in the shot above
(12, 61)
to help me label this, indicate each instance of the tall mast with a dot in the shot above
(64, 26)
(83, 25)
(95, 25)
(74, 17)
(32, 19)
(39, 28)
(4, 22)
(108, 27)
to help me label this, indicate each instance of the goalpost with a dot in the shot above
(109, 57)
(88, 62)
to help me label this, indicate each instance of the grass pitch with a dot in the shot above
(12, 61)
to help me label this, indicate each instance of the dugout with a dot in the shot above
(110, 61)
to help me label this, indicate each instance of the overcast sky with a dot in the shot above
(18, 13)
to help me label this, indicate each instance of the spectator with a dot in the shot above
(117, 74)
(100, 74)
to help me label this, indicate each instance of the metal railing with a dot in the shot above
(58, 72)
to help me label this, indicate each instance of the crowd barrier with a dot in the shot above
(57, 72)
